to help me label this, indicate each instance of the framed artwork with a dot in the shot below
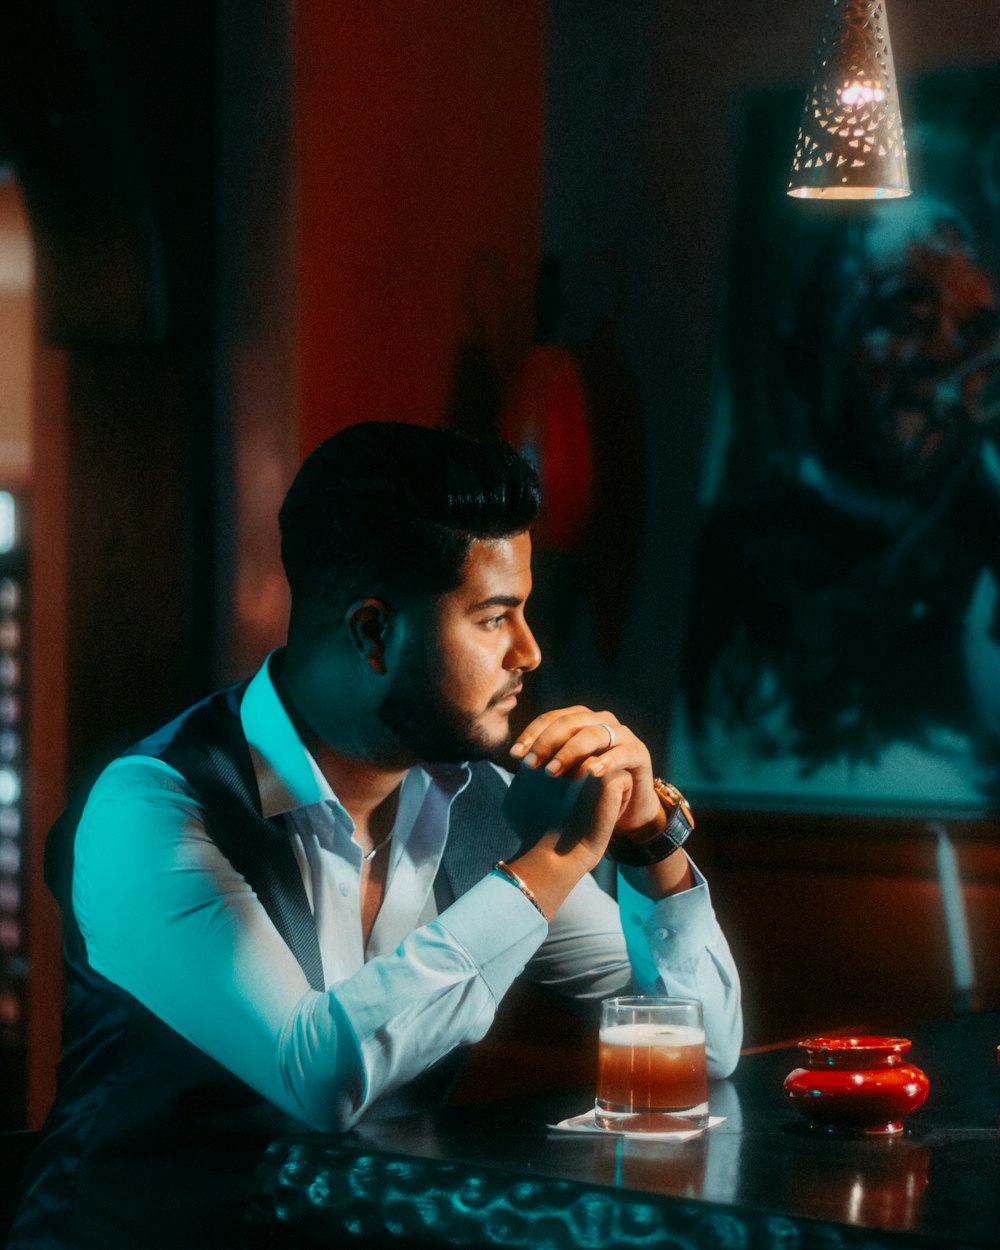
(843, 632)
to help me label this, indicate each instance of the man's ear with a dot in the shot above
(369, 623)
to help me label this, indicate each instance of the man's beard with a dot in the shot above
(429, 726)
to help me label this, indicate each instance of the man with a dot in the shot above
(283, 909)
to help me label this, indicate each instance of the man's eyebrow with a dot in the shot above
(498, 601)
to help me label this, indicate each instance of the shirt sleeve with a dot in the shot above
(677, 948)
(597, 948)
(166, 917)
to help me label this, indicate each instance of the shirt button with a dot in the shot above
(636, 918)
(662, 934)
(345, 889)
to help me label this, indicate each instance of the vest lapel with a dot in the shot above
(478, 834)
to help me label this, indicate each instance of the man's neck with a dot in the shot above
(361, 785)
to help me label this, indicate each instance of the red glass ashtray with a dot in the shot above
(856, 1084)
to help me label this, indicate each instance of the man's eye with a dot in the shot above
(492, 622)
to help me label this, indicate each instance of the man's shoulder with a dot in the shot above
(216, 714)
(162, 764)
(200, 754)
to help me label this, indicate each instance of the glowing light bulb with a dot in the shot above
(854, 93)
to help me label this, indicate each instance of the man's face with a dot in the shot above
(929, 315)
(456, 680)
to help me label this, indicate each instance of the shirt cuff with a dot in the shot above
(498, 927)
(670, 931)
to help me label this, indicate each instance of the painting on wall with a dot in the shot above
(843, 634)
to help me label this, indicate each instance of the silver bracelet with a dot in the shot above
(504, 870)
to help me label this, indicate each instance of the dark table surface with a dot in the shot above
(494, 1175)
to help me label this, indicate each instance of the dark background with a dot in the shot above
(257, 221)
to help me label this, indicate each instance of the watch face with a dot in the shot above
(669, 794)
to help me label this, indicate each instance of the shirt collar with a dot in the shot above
(287, 775)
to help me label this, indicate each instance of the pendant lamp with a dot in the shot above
(850, 144)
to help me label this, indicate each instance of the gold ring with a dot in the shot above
(612, 739)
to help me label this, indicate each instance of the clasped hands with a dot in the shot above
(607, 781)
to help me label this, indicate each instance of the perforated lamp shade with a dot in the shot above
(850, 143)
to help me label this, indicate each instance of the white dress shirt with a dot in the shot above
(166, 917)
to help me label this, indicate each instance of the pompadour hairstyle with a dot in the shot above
(389, 509)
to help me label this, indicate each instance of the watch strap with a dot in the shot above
(663, 843)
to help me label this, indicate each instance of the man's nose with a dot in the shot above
(525, 653)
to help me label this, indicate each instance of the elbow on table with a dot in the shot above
(328, 1101)
(333, 1113)
(320, 1075)
(721, 1064)
(722, 1054)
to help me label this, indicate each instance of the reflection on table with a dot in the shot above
(495, 1175)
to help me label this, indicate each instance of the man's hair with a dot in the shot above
(389, 510)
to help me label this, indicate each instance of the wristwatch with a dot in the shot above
(663, 843)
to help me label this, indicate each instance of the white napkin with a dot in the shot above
(586, 1123)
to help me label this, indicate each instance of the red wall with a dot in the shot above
(418, 143)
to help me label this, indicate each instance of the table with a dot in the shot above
(493, 1175)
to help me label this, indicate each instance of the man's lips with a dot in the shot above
(506, 696)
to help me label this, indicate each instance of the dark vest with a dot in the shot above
(150, 1143)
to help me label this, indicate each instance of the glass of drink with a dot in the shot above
(651, 1065)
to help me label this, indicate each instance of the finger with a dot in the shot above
(543, 737)
(558, 731)
(589, 744)
(528, 736)
(622, 755)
